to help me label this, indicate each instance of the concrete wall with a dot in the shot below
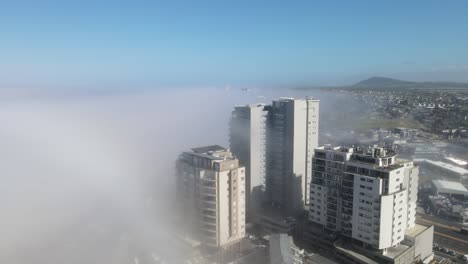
(231, 206)
(423, 244)
(386, 221)
(257, 157)
(247, 142)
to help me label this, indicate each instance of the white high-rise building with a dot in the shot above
(292, 136)
(276, 142)
(365, 194)
(211, 195)
(247, 143)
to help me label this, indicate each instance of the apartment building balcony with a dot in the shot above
(208, 220)
(320, 155)
(347, 204)
(208, 191)
(347, 232)
(209, 205)
(330, 226)
(332, 214)
(347, 211)
(346, 218)
(348, 177)
(209, 228)
(331, 219)
(210, 239)
(319, 168)
(319, 162)
(318, 181)
(346, 225)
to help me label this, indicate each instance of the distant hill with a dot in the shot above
(389, 83)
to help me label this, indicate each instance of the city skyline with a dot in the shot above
(130, 45)
(247, 132)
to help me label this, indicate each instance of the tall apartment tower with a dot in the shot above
(247, 143)
(211, 195)
(365, 194)
(275, 143)
(292, 136)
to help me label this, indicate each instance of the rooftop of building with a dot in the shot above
(287, 99)
(444, 165)
(316, 258)
(395, 251)
(450, 187)
(373, 151)
(350, 251)
(416, 230)
(208, 149)
(387, 168)
(368, 156)
(206, 156)
(280, 249)
(250, 105)
(276, 215)
(456, 161)
(405, 129)
(214, 153)
(376, 152)
(336, 149)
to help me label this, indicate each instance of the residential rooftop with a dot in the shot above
(207, 149)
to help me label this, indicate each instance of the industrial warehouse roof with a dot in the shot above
(450, 187)
(446, 166)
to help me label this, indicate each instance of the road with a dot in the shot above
(446, 233)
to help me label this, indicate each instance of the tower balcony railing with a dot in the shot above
(209, 191)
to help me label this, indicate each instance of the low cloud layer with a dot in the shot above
(89, 179)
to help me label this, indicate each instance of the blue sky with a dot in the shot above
(242, 43)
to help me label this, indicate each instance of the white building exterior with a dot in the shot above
(211, 195)
(276, 142)
(247, 143)
(367, 195)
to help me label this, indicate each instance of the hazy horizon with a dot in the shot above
(54, 44)
(98, 99)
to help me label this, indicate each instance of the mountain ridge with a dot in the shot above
(380, 82)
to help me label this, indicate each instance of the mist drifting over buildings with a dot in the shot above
(90, 178)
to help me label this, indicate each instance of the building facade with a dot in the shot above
(292, 136)
(247, 143)
(275, 142)
(365, 194)
(211, 196)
